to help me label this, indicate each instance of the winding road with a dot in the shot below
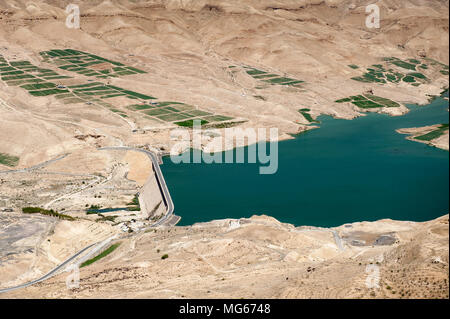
(159, 178)
(49, 274)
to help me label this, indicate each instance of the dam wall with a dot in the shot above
(150, 198)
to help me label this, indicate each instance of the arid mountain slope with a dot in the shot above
(187, 49)
(263, 258)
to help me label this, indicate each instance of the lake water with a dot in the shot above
(345, 171)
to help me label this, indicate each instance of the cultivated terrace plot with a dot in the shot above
(369, 101)
(394, 70)
(88, 64)
(441, 130)
(271, 78)
(36, 81)
(306, 115)
(179, 113)
(8, 160)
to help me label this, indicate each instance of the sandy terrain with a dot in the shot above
(186, 52)
(199, 53)
(140, 167)
(263, 258)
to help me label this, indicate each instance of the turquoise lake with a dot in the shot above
(345, 171)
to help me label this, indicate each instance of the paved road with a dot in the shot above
(35, 167)
(166, 197)
(50, 274)
(159, 177)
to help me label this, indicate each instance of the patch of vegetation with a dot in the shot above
(165, 256)
(404, 65)
(217, 118)
(100, 256)
(409, 79)
(344, 100)
(368, 101)
(433, 134)
(353, 66)
(42, 211)
(190, 123)
(93, 209)
(106, 218)
(418, 75)
(224, 125)
(306, 115)
(79, 61)
(134, 204)
(8, 160)
(381, 100)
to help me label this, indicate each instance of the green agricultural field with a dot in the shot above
(404, 65)
(20, 82)
(12, 73)
(263, 76)
(64, 95)
(433, 134)
(86, 85)
(80, 62)
(105, 253)
(368, 101)
(199, 113)
(255, 72)
(74, 100)
(7, 69)
(224, 124)
(183, 108)
(138, 107)
(157, 112)
(38, 86)
(56, 77)
(17, 77)
(293, 82)
(279, 80)
(414, 61)
(344, 100)
(418, 75)
(112, 95)
(378, 73)
(190, 123)
(381, 100)
(409, 79)
(139, 95)
(306, 115)
(47, 92)
(51, 212)
(173, 117)
(168, 103)
(171, 109)
(8, 160)
(367, 104)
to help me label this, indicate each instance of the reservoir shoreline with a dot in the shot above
(212, 206)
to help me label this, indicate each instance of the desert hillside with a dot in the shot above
(82, 109)
(213, 57)
(263, 258)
